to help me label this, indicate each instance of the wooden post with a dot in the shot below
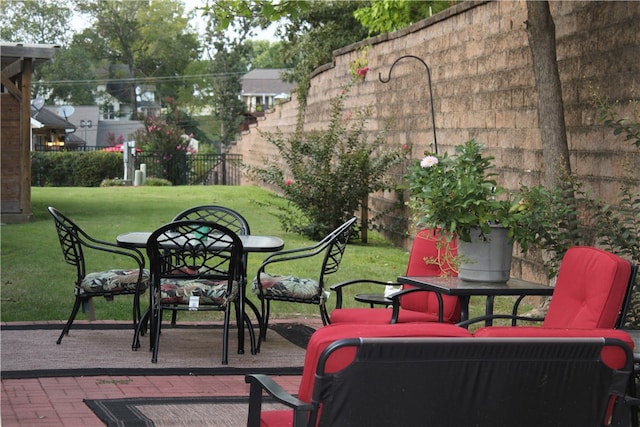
(25, 137)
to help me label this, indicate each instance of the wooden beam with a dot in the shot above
(13, 69)
(13, 89)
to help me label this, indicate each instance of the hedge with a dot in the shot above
(74, 168)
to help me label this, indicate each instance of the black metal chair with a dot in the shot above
(132, 280)
(237, 223)
(224, 216)
(289, 288)
(452, 382)
(195, 266)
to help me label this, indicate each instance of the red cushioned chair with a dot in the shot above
(411, 304)
(319, 341)
(371, 380)
(589, 294)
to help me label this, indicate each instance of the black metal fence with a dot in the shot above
(181, 168)
(192, 169)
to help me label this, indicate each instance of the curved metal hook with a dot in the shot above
(433, 114)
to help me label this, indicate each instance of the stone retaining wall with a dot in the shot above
(484, 88)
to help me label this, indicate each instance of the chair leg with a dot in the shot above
(266, 308)
(256, 312)
(136, 311)
(240, 324)
(74, 312)
(252, 334)
(324, 315)
(225, 336)
(142, 326)
(174, 317)
(155, 338)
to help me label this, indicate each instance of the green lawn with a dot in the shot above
(38, 285)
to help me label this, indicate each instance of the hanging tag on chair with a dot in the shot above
(194, 303)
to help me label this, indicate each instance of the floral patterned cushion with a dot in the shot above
(175, 291)
(114, 281)
(286, 286)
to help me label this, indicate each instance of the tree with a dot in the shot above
(69, 77)
(43, 21)
(229, 62)
(228, 70)
(553, 133)
(384, 16)
(311, 36)
(311, 32)
(264, 54)
(151, 38)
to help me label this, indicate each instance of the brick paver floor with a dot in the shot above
(58, 402)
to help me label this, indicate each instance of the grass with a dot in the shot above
(38, 285)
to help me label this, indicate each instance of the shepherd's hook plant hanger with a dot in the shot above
(433, 114)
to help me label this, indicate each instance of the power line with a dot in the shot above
(138, 79)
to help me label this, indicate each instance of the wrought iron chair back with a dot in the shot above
(193, 260)
(291, 288)
(218, 214)
(229, 218)
(74, 242)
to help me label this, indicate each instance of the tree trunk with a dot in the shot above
(542, 40)
(364, 219)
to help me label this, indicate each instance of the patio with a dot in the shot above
(59, 400)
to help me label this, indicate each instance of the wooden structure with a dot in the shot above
(18, 62)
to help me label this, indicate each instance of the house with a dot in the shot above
(18, 61)
(49, 130)
(261, 88)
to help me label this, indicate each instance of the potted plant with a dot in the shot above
(458, 195)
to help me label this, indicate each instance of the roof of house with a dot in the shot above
(50, 119)
(265, 81)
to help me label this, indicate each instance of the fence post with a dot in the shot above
(224, 169)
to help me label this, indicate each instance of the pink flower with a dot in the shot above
(429, 161)
(288, 182)
(362, 72)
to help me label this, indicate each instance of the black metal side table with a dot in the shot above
(373, 299)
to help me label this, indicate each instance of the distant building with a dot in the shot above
(261, 88)
(49, 130)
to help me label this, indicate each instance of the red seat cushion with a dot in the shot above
(328, 334)
(589, 291)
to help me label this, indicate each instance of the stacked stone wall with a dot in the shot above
(484, 87)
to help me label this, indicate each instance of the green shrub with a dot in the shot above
(115, 182)
(329, 174)
(157, 182)
(74, 168)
